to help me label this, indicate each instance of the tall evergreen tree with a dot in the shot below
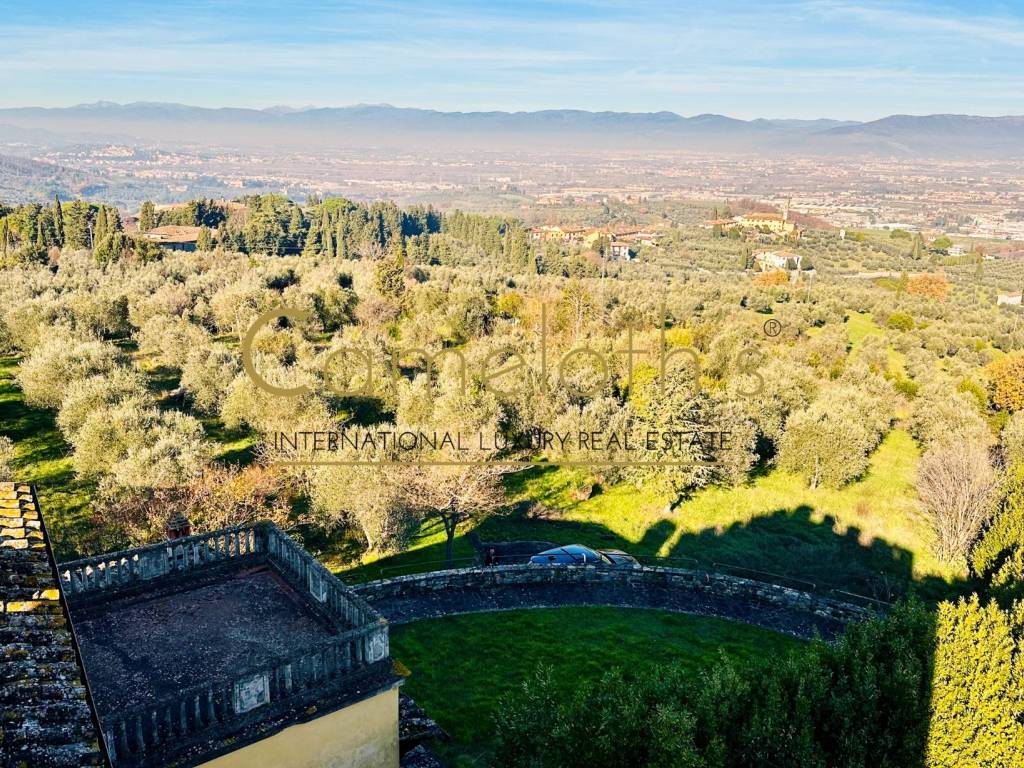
(101, 227)
(147, 216)
(904, 281)
(918, 247)
(76, 225)
(977, 696)
(390, 278)
(113, 220)
(58, 221)
(342, 246)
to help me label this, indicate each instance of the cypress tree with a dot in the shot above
(398, 250)
(113, 221)
(917, 249)
(147, 216)
(296, 227)
(101, 227)
(390, 277)
(58, 220)
(342, 248)
(977, 697)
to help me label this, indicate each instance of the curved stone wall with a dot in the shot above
(494, 588)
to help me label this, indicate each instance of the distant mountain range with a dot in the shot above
(385, 126)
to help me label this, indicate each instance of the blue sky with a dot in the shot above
(813, 58)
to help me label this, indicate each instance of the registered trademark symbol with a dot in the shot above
(772, 328)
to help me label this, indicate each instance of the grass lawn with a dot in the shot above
(461, 666)
(43, 458)
(860, 325)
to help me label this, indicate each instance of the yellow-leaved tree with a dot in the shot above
(1006, 381)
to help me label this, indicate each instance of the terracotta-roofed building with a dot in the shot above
(610, 233)
(775, 223)
(46, 719)
(778, 224)
(565, 234)
(787, 260)
(620, 250)
(174, 237)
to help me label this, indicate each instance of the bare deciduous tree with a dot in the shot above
(455, 494)
(956, 483)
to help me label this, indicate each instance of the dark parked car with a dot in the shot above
(577, 554)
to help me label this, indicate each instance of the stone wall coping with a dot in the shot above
(497, 576)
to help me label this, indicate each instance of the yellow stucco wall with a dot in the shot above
(364, 735)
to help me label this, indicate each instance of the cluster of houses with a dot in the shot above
(622, 242)
(775, 224)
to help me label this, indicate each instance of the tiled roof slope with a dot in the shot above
(45, 719)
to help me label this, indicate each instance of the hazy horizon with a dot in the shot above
(285, 107)
(847, 60)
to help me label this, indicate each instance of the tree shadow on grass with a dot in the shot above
(789, 546)
(793, 544)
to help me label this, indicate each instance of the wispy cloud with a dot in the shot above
(1002, 30)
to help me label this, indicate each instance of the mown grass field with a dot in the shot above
(461, 666)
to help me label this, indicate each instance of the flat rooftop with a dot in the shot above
(200, 645)
(141, 648)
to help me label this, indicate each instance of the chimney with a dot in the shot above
(178, 527)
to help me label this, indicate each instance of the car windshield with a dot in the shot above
(574, 553)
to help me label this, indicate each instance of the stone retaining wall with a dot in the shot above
(438, 593)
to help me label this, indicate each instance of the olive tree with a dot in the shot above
(49, 370)
(828, 442)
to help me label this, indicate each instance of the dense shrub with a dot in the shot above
(861, 702)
